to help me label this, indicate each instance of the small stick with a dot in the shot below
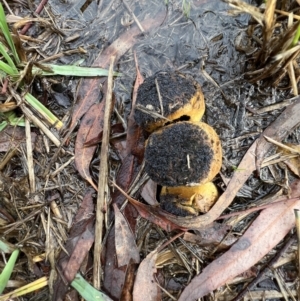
(29, 156)
(159, 98)
(290, 149)
(37, 11)
(102, 183)
(134, 17)
(40, 125)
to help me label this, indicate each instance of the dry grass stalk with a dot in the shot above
(278, 53)
(103, 180)
(29, 156)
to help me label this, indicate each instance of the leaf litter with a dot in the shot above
(188, 40)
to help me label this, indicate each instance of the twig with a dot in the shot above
(54, 173)
(102, 184)
(134, 17)
(29, 156)
(40, 125)
(159, 98)
(37, 11)
(290, 149)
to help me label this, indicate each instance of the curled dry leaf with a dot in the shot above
(91, 125)
(153, 214)
(149, 193)
(265, 233)
(145, 287)
(126, 248)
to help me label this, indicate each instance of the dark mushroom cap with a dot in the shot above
(183, 153)
(180, 96)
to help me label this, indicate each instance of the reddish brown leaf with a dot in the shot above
(214, 235)
(126, 248)
(124, 178)
(154, 215)
(114, 129)
(126, 294)
(114, 276)
(134, 140)
(80, 240)
(88, 91)
(265, 233)
(91, 125)
(145, 287)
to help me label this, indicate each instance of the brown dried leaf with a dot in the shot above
(145, 287)
(149, 193)
(91, 125)
(265, 233)
(214, 235)
(81, 238)
(153, 214)
(126, 248)
(135, 139)
(126, 294)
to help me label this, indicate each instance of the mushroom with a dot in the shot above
(183, 153)
(188, 200)
(168, 96)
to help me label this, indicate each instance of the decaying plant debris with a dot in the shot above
(276, 43)
(134, 250)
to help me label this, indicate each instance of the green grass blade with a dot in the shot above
(71, 70)
(49, 117)
(87, 292)
(296, 37)
(5, 275)
(8, 59)
(7, 69)
(5, 30)
(3, 125)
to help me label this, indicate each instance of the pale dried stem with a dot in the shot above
(37, 122)
(103, 181)
(134, 17)
(159, 98)
(290, 149)
(29, 156)
(54, 173)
